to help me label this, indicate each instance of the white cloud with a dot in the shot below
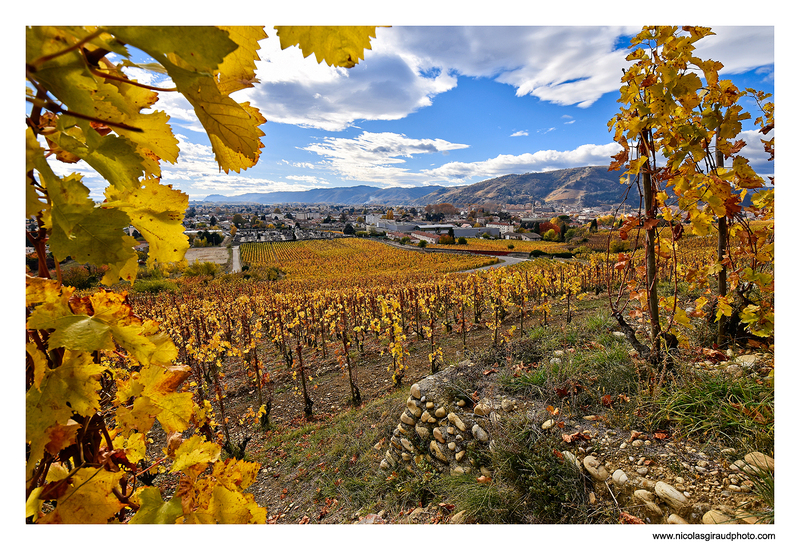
(520, 133)
(375, 157)
(541, 161)
(739, 49)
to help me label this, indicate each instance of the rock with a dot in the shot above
(416, 514)
(460, 455)
(457, 471)
(675, 519)
(760, 461)
(646, 498)
(424, 433)
(455, 419)
(458, 517)
(401, 428)
(482, 409)
(385, 465)
(746, 361)
(715, 517)
(406, 457)
(642, 471)
(416, 392)
(407, 445)
(617, 334)
(595, 469)
(548, 424)
(390, 459)
(620, 478)
(452, 445)
(440, 412)
(507, 405)
(430, 405)
(406, 418)
(670, 495)
(461, 403)
(426, 417)
(412, 406)
(592, 499)
(438, 452)
(437, 433)
(370, 519)
(572, 459)
(479, 433)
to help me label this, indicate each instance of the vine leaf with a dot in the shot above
(194, 451)
(153, 509)
(156, 211)
(73, 386)
(155, 398)
(337, 46)
(238, 69)
(89, 498)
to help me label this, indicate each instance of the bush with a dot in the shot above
(197, 269)
(462, 240)
(423, 244)
(446, 239)
(154, 286)
(80, 277)
(550, 235)
(618, 246)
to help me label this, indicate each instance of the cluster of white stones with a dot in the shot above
(437, 431)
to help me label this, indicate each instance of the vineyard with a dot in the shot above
(202, 397)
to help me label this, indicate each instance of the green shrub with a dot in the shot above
(199, 269)
(462, 240)
(154, 286)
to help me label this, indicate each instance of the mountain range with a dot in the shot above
(578, 187)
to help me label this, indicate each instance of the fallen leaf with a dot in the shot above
(577, 436)
(606, 400)
(626, 518)
(661, 435)
(304, 520)
(634, 435)
(484, 479)
(488, 372)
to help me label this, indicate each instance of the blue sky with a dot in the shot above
(439, 106)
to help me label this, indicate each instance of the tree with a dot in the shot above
(462, 240)
(669, 112)
(238, 220)
(348, 229)
(212, 221)
(191, 212)
(86, 417)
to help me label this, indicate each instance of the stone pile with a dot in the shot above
(658, 481)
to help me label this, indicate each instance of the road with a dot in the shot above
(236, 263)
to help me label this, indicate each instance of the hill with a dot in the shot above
(360, 194)
(585, 186)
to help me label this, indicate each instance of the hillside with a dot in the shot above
(586, 186)
(360, 194)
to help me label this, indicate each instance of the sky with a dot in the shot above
(430, 105)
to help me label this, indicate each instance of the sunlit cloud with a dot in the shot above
(376, 157)
(520, 133)
(541, 161)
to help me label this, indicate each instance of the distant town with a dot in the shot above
(285, 222)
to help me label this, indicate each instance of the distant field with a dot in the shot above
(502, 245)
(216, 254)
(346, 258)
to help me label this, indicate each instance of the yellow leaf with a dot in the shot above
(89, 498)
(337, 46)
(157, 212)
(193, 451)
